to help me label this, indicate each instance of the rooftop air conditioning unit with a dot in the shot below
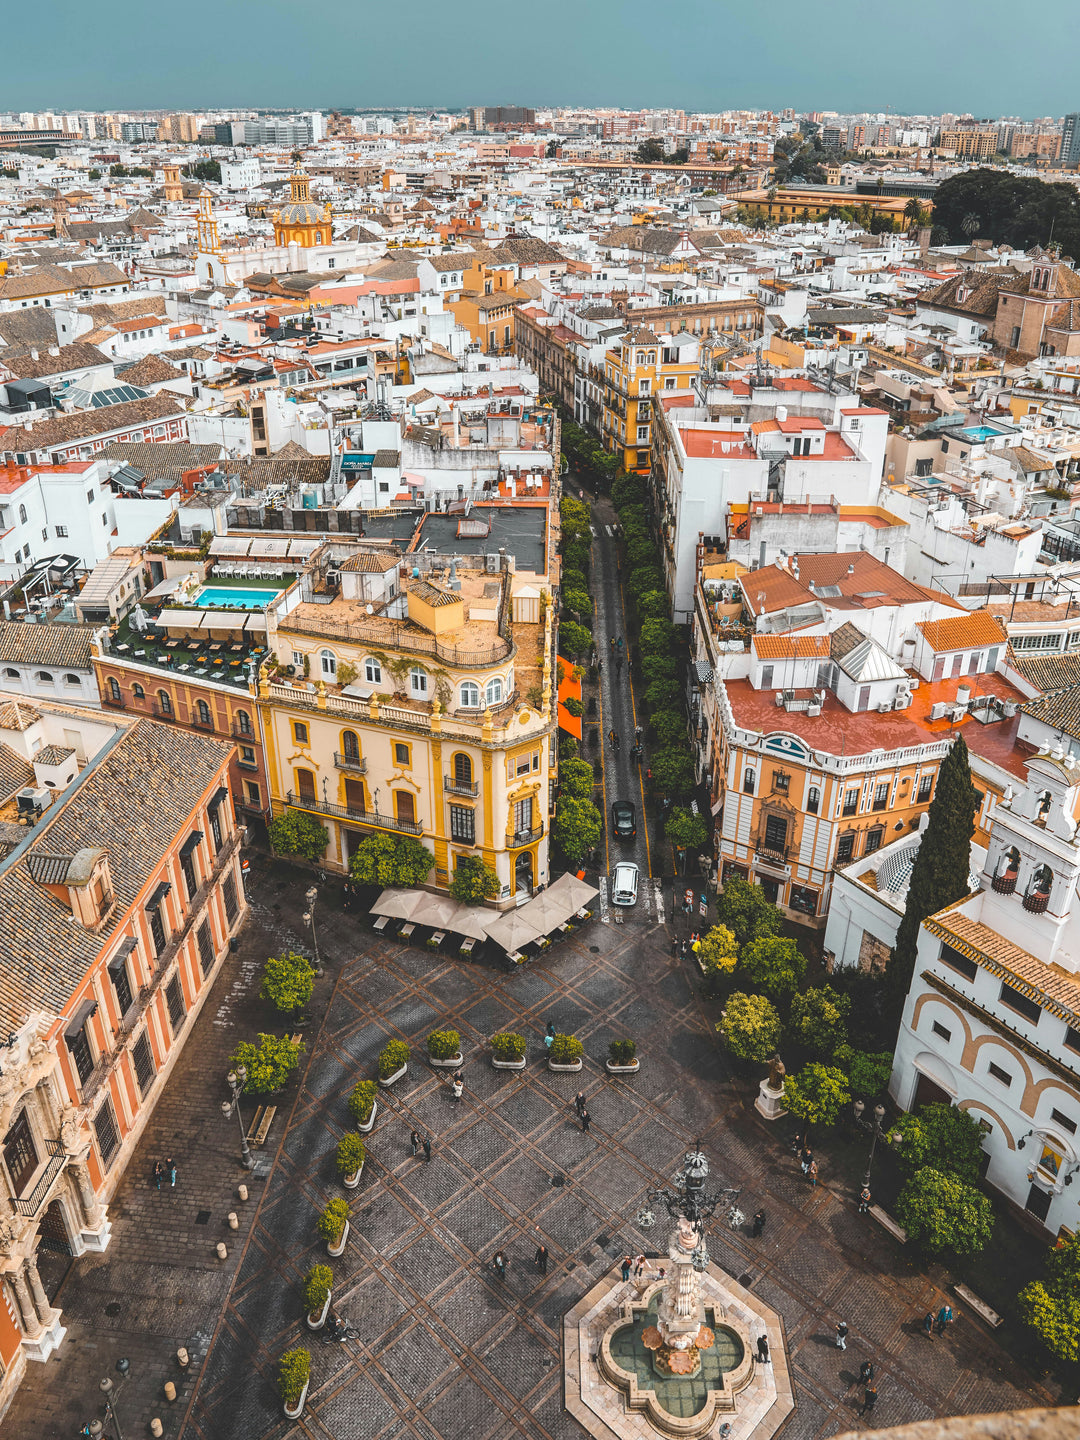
(884, 707)
(813, 708)
(939, 709)
(31, 802)
(333, 579)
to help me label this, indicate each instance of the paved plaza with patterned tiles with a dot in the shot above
(444, 1349)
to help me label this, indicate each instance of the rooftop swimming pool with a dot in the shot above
(232, 597)
(978, 433)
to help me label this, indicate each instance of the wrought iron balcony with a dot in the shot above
(1003, 884)
(347, 812)
(1036, 903)
(526, 837)
(460, 787)
(356, 763)
(31, 1204)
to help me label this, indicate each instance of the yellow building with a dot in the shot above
(637, 369)
(302, 221)
(486, 306)
(418, 704)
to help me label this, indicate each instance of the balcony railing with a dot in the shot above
(526, 837)
(117, 702)
(1003, 884)
(1036, 903)
(356, 763)
(347, 812)
(31, 1204)
(239, 733)
(460, 787)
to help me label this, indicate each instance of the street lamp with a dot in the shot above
(237, 1080)
(876, 1133)
(108, 1391)
(689, 1200)
(309, 919)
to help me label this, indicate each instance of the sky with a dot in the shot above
(926, 56)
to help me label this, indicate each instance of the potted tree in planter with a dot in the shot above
(363, 1107)
(350, 1159)
(294, 1376)
(317, 1288)
(622, 1058)
(508, 1051)
(393, 1062)
(333, 1226)
(565, 1053)
(444, 1049)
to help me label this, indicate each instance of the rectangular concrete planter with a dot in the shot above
(508, 1064)
(394, 1078)
(614, 1069)
(567, 1069)
(339, 1248)
(294, 1412)
(320, 1319)
(366, 1127)
(351, 1181)
(453, 1063)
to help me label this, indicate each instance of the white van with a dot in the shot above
(624, 883)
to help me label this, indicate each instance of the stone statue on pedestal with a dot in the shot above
(770, 1101)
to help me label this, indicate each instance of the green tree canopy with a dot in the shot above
(718, 952)
(673, 772)
(474, 881)
(669, 727)
(1051, 1306)
(576, 779)
(397, 860)
(663, 695)
(576, 828)
(652, 605)
(650, 152)
(577, 600)
(942, 1136)
(939, 1212)
(268, 1063)
(204, 170)
(658, 667)
(868, 1071)
(817, 1095)
(574, 639)
(295, 832)
(1017, 209)
(943, 861)
(744, 908)
(288, 981)
(644, 579)
(657, 637)
(818, 1019)
(750, 1027)
(774, 965)
(687, 831)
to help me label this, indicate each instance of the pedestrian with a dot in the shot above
(866, 1372)
(864, 1200)
(638, 733)
(499, 1264)
(414, 1141)
(805, 1157)
(928, 1323)
(579, 1101)
(626, 1264)
(457, 1085)
(427, 1147)
(639, 1266)
(763, 1349)
(841, 1334)
(811, 1172)
(541, 1259)
(944, 1318)
(159, 1174)
(170, 1171)
(549, 1035)
(869, 1399)
(759, 1223)
(674, 947)
(586, 1121)
(684, 948)
(611, 642)
(599, 667)
(662, 1273)
(796, 1144)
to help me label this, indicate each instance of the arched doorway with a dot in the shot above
(523, 872)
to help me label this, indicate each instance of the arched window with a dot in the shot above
(43, 677)
(328, 664)
(138, 691)
(114, 689)
(164, 700)
(462, 769)
(243, 722)
(318, 237)
(1004, 881)
(203, 712)
(1038, 892)
(493, 691)
(749, 780)
(72, 680)
(22, 514)
(350, 745)
(418, 682)
(372, 671)
(10, 674)
(470, 695)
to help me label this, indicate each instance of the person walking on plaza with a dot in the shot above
(414, 1141)
(541, 1258)
(499, 1264)
(759, 1224)
(579, 1102)
(869, 1399)
(639, 1266)
(944, 1318)
(928, 1323)
(586, 1121)
(626, 1264)
(811, 1172)
(763, 1349)
(457, 1085)
(170, 1171)
(841, 1335)
(549, 1035)
(806, 1158)
(427, 1147)
(866, 1372)
(158, 1174)
(864, 1200)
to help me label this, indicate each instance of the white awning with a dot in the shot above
(167, 587)
(253, 623)
(234, 545)
(301, 549)
(181, 619)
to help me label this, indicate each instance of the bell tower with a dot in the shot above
(1033, 859)
(173, 189)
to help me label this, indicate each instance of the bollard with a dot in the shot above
(242, 1192)
(170, 1391)
(234, 1223)
(221, 1251)
(155, 1426)
(183, 1358)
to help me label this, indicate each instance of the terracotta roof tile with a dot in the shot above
(962, 632)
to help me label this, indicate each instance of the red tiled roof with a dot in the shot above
(795, 423)
(784, 647)
(962, 632)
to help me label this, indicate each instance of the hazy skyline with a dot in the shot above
(705, 55)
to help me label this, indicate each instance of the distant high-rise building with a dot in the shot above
(1070, 140)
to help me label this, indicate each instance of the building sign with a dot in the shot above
(354, 460)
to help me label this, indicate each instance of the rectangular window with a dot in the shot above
(1021, 1003)
(748, 781)
(118, 974)
(1064, 1121)
(252, 791)
(1072, 1038)
(813, 800)
(851, 802)
(873, 841)
(228, 894)
(523, 813)
(206, 947)
(939, 1029)
(401, 754)
(108, 1137)
(844, 846)
(82, 1056)
(881, 797)
(157, 929)
(247, 756)
(174, 1000)
(999, 1074)
(926, 785)
(462, 824)
(191, 880)
(61, 532)
(298, 661)
(781, 782)
(775, 832)
(143, 1058)
(958, 962)
(300, 732)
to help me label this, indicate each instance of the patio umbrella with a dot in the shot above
(547, 911)
(399, 904)
(139, 618)
(512, 930)
(470, 921)
(577, 892)
(438, 911)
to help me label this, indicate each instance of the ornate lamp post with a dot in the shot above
(237, 1079)
(309, 919)
(108, 1391)
(876, 1133)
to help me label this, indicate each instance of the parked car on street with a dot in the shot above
(624, 819)
(624, 884)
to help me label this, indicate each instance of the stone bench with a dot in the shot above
(992, 1318)
(260, 1124)
(887, 1222)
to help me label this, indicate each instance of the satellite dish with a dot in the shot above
(370, 610)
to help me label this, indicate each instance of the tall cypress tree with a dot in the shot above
(942, 866)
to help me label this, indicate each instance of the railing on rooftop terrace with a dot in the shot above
(402, 637)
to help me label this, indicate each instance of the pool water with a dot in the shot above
(232, 597)
(978, 433)
(678, 1395)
